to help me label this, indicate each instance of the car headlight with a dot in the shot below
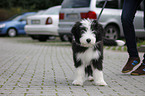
(2, 25)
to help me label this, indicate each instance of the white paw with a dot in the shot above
(101, 83)
(77, 83)
(90, 78)
(120, 42)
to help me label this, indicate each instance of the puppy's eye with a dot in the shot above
(82, 31)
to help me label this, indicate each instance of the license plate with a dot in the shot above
(35, 22)
(72, 16)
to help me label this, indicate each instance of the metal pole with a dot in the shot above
(102, 10)
(144, 14)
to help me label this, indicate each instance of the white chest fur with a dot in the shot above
(88, 55)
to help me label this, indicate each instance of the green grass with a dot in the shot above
(140, 42)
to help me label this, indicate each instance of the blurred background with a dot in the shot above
(44, 20)
(9, 8)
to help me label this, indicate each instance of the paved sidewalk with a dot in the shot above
(32, 68)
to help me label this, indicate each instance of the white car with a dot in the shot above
(75, 10)
(43, 25)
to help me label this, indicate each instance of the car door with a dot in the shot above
(22, 23)
(139, 21)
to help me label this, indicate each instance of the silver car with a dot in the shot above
(43, 26)
(75, 10)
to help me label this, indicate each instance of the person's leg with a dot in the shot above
(144, 58)
(128, 14)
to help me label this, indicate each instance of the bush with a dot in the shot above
(7, 13)
(8, 8)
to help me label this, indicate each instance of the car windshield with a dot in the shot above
(52, 11)
(75, 3)
(40, 12)
(15, 17)
(110, 4)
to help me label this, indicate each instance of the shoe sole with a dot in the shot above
(136, 74)
(126, 71)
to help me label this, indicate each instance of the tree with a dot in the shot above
(29, 4)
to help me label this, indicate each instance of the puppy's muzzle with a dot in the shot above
(88, 40)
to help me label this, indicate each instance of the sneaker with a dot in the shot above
(131, 63)
(140, 70)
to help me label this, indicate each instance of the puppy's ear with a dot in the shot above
(95, 24)
(95, 21)
(98, 29)
(75, 28)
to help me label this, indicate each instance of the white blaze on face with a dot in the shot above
(88, 37)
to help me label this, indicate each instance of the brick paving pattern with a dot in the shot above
(32, 68)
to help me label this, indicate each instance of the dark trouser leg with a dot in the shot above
(128, 14)
(144, 58)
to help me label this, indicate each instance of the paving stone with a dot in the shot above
(32, 68)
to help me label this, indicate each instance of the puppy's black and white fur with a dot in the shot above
(87, 46)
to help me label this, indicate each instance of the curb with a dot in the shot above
(116, 48)
(141, 48)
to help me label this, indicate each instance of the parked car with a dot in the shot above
(43, 26)
(40, 12)
(75, 10)
(14, 25)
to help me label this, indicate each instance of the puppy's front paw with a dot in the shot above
(101, 83)
(90, 78)
(77, 83)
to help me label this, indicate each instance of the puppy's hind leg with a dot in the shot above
(80, 76)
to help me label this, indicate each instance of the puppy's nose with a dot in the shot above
(88, 40)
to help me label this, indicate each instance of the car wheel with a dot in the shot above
(70, 38)
(34, 37)
(64, 38)
(42, 38)
(12, 32)
(51, 37)
(112, 32)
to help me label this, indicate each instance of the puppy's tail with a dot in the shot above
(111, 42)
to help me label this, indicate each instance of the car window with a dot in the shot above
(141, 7)
(40, 12)
(52, 11)
(25, 17)
(16, 18)
(75, 3)
(113, 4)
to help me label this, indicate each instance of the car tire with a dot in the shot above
(64, 38)
(34, 37)
(42, 38)
(112, 32)
(51, 37)
(12, 32)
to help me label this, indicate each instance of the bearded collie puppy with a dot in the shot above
(87, 47)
